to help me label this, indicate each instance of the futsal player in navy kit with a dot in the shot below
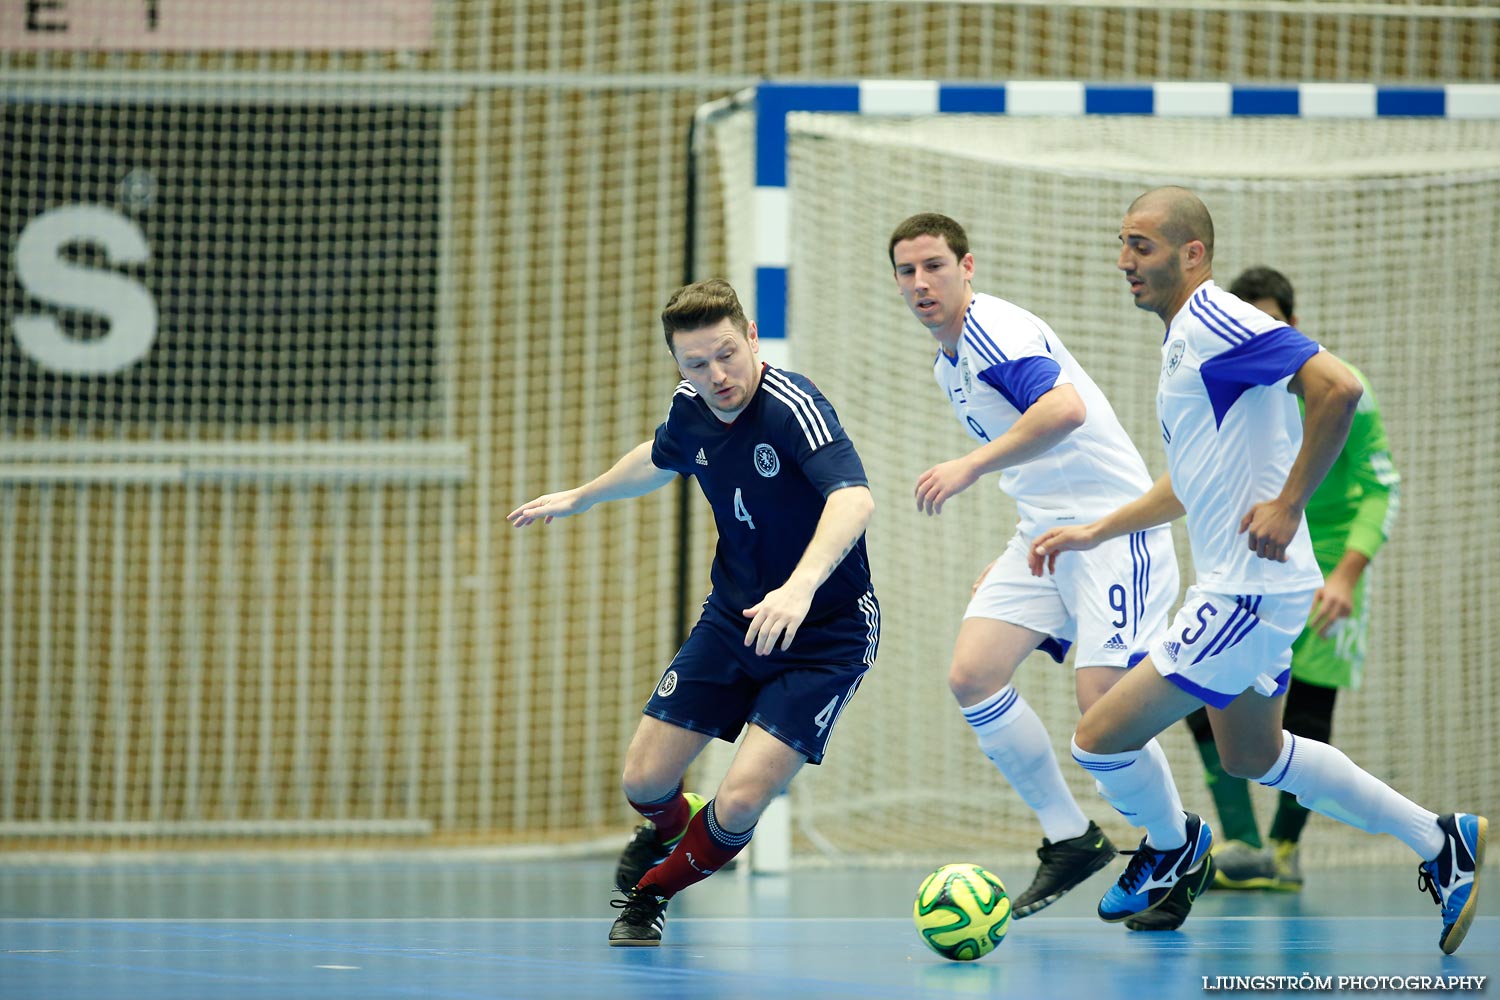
(791, 624)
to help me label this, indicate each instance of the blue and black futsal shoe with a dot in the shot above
(1174, 910)
(1453, 876)
(1151, 874)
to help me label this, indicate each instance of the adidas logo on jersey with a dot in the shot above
(1116, 642)
(702, 459)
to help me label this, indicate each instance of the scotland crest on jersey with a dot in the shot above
(767, 463)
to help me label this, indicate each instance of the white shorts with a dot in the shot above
(1110, 600)
(1221, 645)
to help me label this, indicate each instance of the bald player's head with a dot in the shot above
(1183, 218)
(1166, 249)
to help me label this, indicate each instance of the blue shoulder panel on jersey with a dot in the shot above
(1262, 360)
(1023, 380)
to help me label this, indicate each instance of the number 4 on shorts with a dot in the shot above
(825, 718)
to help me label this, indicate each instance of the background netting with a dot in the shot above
(1382, 227)
(405, 267)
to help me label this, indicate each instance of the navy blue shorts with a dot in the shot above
(716, 684)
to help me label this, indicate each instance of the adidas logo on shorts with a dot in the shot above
(1116, 642)
(702, 459)
(1172, 649)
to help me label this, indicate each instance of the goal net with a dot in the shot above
(1384, 227)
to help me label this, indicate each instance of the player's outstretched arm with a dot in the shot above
(1055, 414)
(846, 514)
(632, 476)
(1369, 456)
(1331, 392)
(1158, 505)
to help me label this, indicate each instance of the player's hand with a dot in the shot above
(980, 578)
(564, 504)
(1333, 602)
(939, 483)
(1053, 541)
(1272, 525)
(778, 616)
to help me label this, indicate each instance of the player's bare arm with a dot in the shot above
(632, 476)
(1334, 601)
(1046, 422)
(1331, 392)
(1158, 505)
(778, 615)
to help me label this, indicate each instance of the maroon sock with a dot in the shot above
(670, 815)
(705, 848)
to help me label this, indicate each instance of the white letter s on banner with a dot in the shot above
(126, 303)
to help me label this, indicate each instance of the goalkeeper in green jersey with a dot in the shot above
(1349, 518)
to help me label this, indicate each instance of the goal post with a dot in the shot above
(1376, 201)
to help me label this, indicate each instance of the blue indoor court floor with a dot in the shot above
(476, 929)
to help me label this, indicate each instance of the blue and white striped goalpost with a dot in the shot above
(1058, 99)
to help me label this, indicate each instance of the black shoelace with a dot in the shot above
(1426, 883)
(640, 907)
(1142, 862)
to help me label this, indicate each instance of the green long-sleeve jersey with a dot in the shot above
(1357, 502)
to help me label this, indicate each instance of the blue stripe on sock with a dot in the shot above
(1113, 765)
(993, 712)
(1289, 755)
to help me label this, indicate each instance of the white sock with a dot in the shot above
(1138, 783)
(1164, 769)
(1326, 781)
(1012, 736)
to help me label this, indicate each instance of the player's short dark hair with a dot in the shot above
(703, 303)
(930, 224)
(1257, 283)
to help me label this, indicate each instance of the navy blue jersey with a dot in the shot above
(767, 476)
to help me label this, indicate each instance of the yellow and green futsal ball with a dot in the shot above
(962, 912)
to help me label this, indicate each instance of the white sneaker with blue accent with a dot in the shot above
(1151, 874)
(1453, 876)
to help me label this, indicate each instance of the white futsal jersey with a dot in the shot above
(1006, 359)
(1232, 432)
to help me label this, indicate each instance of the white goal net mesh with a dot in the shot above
(1382, 225)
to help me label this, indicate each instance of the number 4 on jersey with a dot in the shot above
(740, 513)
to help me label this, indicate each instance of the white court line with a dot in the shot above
(1050, 921)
